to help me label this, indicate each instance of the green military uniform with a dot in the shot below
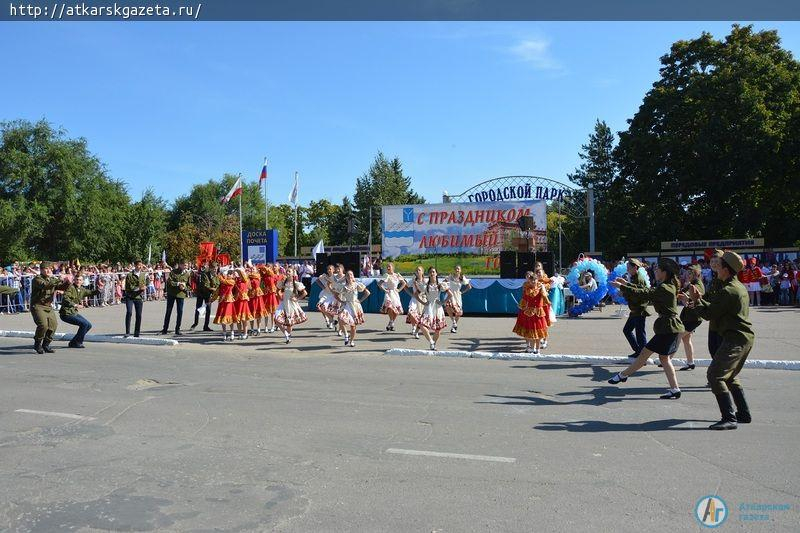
(43, 288)
(72, 297)
(636, 303)
(206, 286)
(727, 307)
(209, 281)
(6, 290)
(133, 285)
(665, 302)
(175, 278)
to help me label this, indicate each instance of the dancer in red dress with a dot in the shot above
(538, 270)
(225, 307)
(256, 302)
(270, 297)
(241, 307)
(532, 319)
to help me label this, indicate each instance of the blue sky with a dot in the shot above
(166, 105)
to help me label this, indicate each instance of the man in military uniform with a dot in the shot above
(135, 285)
(43, 288)
(638, 312)
(177, 291)
(728, 308)
(70, 304)
(206, 285)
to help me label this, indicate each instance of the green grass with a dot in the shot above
(470, 264)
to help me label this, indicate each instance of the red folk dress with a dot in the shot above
(532, 318)
(224, 294)
(270, 297)
(256, 303)
(241, 307)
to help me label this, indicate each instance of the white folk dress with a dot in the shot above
(433, 312)
(414, 307)
(289, 312)
(351, 311)
(327, 301)
(454, 304)
(391, 300)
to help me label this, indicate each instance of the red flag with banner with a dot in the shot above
(208, 251)
(223, 259)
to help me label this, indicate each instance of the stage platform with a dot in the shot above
(489, 296)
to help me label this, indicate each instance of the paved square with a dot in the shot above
(260, 436)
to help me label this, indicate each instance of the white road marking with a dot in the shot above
(51, 413)
(453, 455)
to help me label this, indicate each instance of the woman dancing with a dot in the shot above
(532, 320)
(241, 305)
(289, 312)
(432, 321)
(351, 313)
(270, 297)
(667, 327)
(391, 286)
(539, 273)
(691, 320)
(327, 305)
(256, 303)
(637, 315)
(225, 308)
(454, 305)
(415, 289)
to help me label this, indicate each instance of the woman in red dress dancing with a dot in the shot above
(224, 295)
(532, 319)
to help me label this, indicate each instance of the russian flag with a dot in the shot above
(263, 177)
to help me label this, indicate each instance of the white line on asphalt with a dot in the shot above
(51, 413)
(453, 455)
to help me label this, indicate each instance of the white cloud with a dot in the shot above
(535, 52)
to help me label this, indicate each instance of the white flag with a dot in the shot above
(293, 195)
(164, 256)
(149, 252)
(318, 249)
(235, 191)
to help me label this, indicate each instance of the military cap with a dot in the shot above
(733, 260)
(635, 262)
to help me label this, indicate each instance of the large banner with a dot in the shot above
(485, 228)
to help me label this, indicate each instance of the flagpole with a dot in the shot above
(241, 241)
(266, 202)
(295, 215)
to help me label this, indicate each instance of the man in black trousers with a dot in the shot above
(177, 291)
(135, 285)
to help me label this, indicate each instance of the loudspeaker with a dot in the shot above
(350, 260)
(548, 261)
(525, 262)
(323, 260)
(508, 264)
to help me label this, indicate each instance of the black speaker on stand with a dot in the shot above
(508, 264)
(525, 262)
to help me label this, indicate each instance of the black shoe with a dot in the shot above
(136, 335)
(192, 327)
(618, 378)
(163, 332)
(207, 329)
(178, 332)
(633, 356)
(687, 367)
(671, 395)
(37, 346)
(742, 409)
(76, 345)
(725, 403)
(72, 344)
(47, 349)
(126, 336)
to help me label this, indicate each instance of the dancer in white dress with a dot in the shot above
(433, 320)
(289, 312)
(335, 286)
(327, 305)
(392, 285)
(415, 307)
(351, 313)
(454, 305)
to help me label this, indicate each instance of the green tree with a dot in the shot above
(713, 150)
(383, 184)
(147, 226)
(337, 231)
(56, 199)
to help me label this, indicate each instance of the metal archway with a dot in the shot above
(569, 200)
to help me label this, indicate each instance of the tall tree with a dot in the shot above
(147, 226)
(713, 150)
(383, 184)
(56, 199)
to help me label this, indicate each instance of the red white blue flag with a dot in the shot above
(263, 178)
